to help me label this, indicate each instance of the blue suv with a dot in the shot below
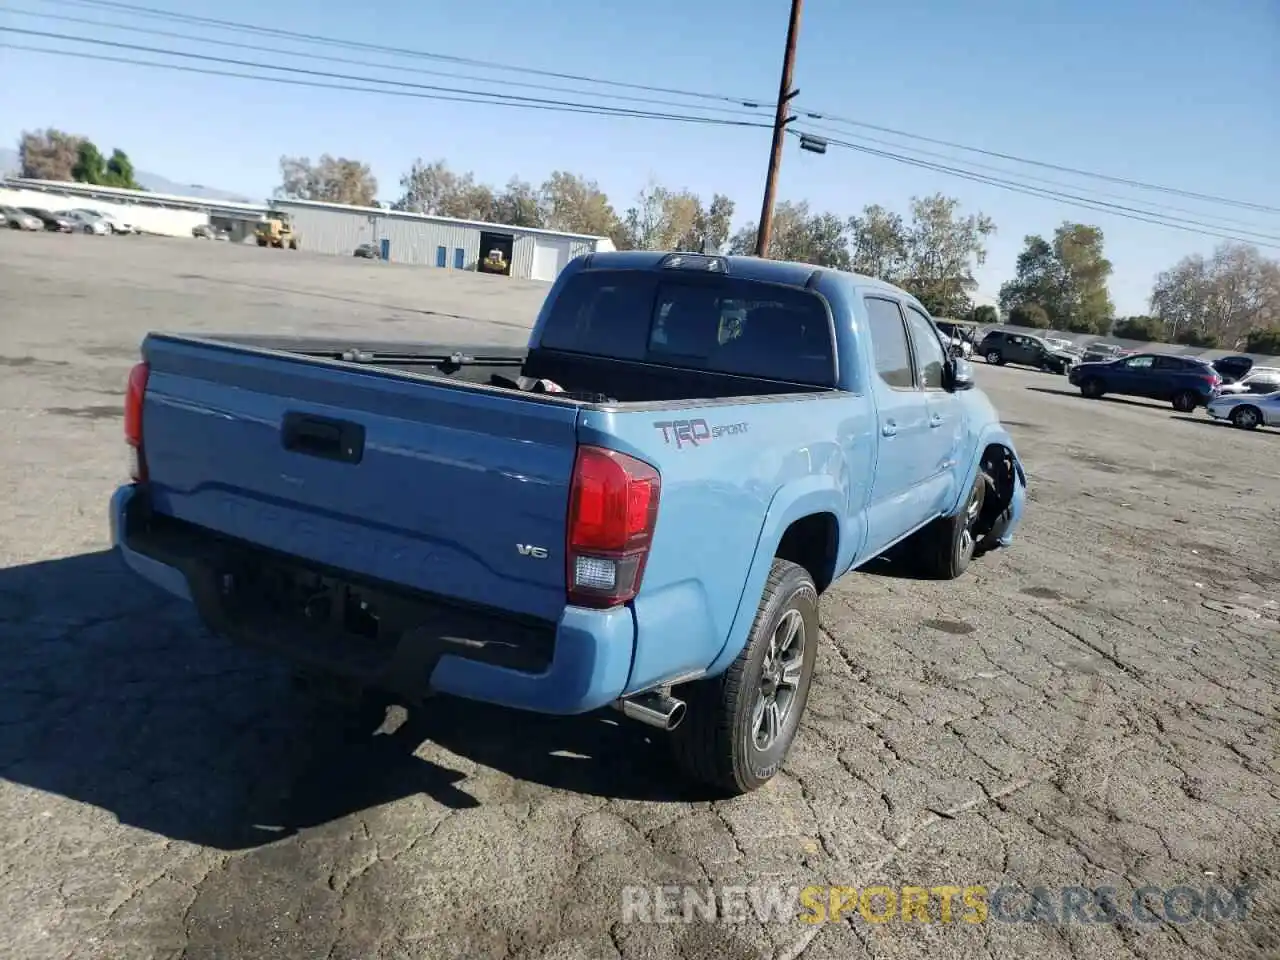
(1185, 382)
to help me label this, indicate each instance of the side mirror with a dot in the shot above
(961, 374)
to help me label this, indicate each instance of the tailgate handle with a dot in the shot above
(338, 440)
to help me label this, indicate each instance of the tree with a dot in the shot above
(1264, 341)
(664, 219)
(985, 315)
(89, 166)
(48, 154)
(119, 172)
(879, 244)
(801, 236)
(942, 251)
(1067, 277)
(1190, 337)
(331, 179)
(1144, 329)
(575, 204)
(519, 205)
(1029, 315)
(716, 222)
(1227, 295)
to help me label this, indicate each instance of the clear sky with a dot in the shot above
(1181, 93)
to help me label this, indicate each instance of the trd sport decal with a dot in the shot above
(696, 432)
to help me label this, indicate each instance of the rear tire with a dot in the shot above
(1246, 417)
(740, 725)
(1185, 401)
(994, 357)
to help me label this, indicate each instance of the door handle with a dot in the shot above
(889, 428)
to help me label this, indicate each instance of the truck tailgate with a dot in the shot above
(455, 491)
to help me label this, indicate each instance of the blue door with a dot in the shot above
(386, 248)
(459, 258)
(442, 256)
(899, 490)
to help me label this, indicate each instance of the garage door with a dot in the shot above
(549, 257)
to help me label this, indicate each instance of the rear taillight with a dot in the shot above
(613, 507)
(133, 399)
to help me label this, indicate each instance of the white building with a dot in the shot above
(432, 241)
(158, 213)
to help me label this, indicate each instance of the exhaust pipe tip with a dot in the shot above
(677, 715)
(654, 710)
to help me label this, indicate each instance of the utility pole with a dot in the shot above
(780, 121)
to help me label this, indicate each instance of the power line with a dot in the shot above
(1139, 184)
(261, 48)
(1158, 208)
(142, 11)
(404, 52)
(1130, 213)
(749, 102)
(459, 95)
(479, 97)
(511, 99)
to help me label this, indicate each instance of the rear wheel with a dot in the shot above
(994, 356)
(740, 725)
(1184, 401)
(1246, 418)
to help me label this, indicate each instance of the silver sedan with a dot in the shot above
(1248, 411)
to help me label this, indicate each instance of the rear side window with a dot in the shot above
(889, 343)
(721, 325)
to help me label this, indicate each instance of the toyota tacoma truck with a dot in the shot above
(638, 510)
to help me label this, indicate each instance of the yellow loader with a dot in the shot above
(275, 230)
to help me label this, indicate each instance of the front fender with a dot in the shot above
(994, 433)
(815, 494)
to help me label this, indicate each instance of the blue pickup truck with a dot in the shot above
(638, 510)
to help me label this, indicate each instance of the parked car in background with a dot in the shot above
(17, 219)
(1096, 352)
(113, 222)
(367, 251)
(53, 222)
(1185, 382)
(205, 231)
(1248, 411)
(88, 223)
(1258, 380)
(1000, 347)
(1233, 368)
(962, 334)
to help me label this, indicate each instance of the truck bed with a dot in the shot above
(586, 379)
(421, 467)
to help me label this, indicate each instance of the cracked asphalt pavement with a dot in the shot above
(1095, 706)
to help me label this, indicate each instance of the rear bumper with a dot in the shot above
(588, 663)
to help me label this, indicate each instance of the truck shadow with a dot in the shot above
(1105, 399)
(113, 695)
